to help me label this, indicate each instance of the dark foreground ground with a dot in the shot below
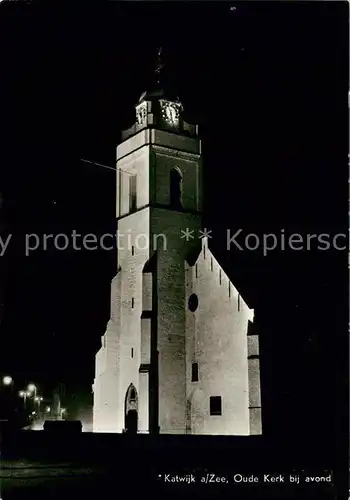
(38, 465)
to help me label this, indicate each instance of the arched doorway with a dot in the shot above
(131, 410)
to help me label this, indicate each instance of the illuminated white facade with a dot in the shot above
(180, 355)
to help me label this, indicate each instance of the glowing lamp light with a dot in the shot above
(31, 388)
(48, 409)
(7, 380)
(22, 394)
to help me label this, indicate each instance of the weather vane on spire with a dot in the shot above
(159, 66)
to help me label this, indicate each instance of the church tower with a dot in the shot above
(164, 359)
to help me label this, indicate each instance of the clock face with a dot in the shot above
(170, 112)
(141, 115)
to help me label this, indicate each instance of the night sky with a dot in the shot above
(268, 85)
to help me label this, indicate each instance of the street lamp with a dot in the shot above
(47, 409)
(38, 400)
(7, 380)
(32, 389)
(24, 395)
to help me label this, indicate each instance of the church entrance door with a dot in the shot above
(131, 422)
(131, 410)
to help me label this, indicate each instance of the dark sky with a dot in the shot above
(267, 83)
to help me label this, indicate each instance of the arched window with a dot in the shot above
(175, 188)
(132, 394)
(130, 397)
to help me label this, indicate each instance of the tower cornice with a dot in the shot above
(161, 139)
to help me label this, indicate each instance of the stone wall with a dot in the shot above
(217, 340)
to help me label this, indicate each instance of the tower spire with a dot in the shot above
(159, 66)
(159, 85)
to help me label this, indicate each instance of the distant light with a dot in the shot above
(48, 409)
(7, 380)
(33, 412)
(233, 8)
(29, 393)
(31, 388)
(22, 394)
(37, 427)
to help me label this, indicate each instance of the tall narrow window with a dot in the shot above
(239, 302)
(132, 250)
(196, 271)
(132, 193)
(188, 417)
(132, 352)
(229, 289)
(175, 189)
(132, 303)
(220, 276)
(204, 251)
(195, 372)
(211, 264)
(120, 180)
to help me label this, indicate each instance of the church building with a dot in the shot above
(180, 354)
